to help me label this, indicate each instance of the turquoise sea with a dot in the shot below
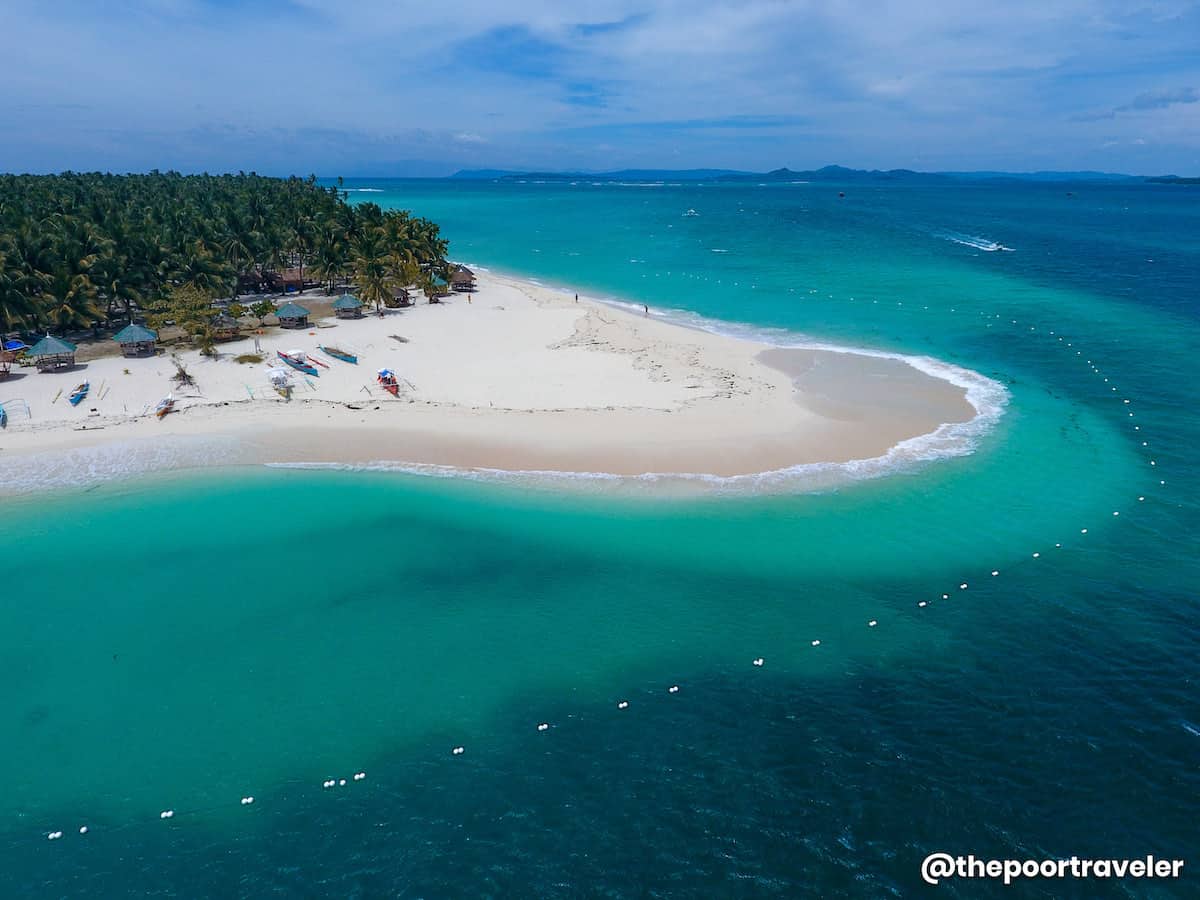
(182, 642)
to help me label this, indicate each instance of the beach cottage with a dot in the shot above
(462, 279)
(225, 327)
(51, 353)
(136, 340)
(347, 306)
(292, 315)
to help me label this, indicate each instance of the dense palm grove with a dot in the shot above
(83, 251)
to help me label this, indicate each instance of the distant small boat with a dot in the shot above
(280, 382)
(338, 353)
(79, 393)
(165, 405)
(297, 360)
(387, 378)
(691, 212)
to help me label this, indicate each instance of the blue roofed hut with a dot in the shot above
(136, 340)
(347, 306)
(51, 353)
(292, 315)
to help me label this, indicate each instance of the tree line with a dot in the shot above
(88, 250)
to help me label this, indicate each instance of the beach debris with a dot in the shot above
(396, 337)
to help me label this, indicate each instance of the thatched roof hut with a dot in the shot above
(292, 315)
(136, 340)
(347, 306)
(462, 279)
(225, 327)
(52, 353)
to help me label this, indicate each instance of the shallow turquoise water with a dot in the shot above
(260, 631)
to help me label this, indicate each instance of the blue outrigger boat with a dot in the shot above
(297, 361)
(338, 353)
(79, 393)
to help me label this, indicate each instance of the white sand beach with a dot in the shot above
(517, 377)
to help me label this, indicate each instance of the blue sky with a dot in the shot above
(381, 87)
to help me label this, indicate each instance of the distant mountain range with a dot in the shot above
(827, 173)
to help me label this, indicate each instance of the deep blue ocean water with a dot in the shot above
(1047, 711)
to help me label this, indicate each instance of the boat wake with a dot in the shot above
(978, 243)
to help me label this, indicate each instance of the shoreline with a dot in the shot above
(518, 380)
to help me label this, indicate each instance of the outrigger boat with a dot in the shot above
(165, 405)
(338, 353)
(298, 361)
(79, 393)
(387, 378)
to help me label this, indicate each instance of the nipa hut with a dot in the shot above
(400, 297)
(462, 279)
(346, 306)
(136, 340)
(51, 353)
(225, 327)
(292, 315)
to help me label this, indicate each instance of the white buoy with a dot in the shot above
(624, 704)
(54, 835)
(1083, 531)
(1115, 513)
(816, 643)
(673, 689)
(341, 782)
(995, 572)
(542, 726)
(359, 776)
(328, 784)
(459, 751)
(166, 814)
(1058, 545)
(759, 661)
(921, 604)
(246, 801)
(872, 624)
(1141, 499)
(1036, 555)
(963, 586)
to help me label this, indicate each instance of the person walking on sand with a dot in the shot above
(646, 309)
(576, 298)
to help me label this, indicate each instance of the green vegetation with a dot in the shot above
(246, 358)
(89, 250)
